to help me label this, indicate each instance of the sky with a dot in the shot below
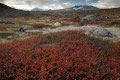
(59, 4)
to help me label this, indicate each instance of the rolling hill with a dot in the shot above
(7, 11)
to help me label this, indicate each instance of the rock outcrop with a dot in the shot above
(57, 24)
(92, 18)
(21, 29)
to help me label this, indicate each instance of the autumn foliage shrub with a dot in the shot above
(37, 26)
(66, 55)
(73, 20)
(114, 22)
(116, 49)
(3, 28)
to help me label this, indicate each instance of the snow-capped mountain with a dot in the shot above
(83, 7)
(36, 9)
(78, 7)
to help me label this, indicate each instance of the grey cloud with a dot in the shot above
(107, 3)
(88, 0)
(2, 1)
(42, 4)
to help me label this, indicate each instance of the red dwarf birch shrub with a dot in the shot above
(69, 55)
(37, 26)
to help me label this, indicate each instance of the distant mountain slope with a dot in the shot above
(36, 9)
(6, 10)
(78, 7)
(3, 6)
(83, 7)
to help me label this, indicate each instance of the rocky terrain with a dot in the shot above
(97, 31)
(36, 23)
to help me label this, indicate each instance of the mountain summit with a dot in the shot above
(36, 9)
(77, 7)
(83, 7)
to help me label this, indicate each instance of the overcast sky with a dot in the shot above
(59, 4)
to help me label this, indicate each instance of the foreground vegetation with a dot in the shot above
(60, 56)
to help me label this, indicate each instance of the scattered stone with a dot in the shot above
(92, 18)
(107, 17)
(3, 21)
(21, 30)
(57, 24)
(77, 17)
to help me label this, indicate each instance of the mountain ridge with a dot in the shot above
(76, 7)
(83, 7)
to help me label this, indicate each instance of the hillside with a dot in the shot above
(5, 9)
(8, 11)
(3, 6)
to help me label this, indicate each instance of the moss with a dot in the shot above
(53, 27)
(4, 35)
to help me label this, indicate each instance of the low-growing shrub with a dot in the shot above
(71, 56)
(73, 20)
(37, 26)
(114, 22)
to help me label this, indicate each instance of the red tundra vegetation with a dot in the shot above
(73, 20)
(37, 26)
(69, 55)
(2, 27)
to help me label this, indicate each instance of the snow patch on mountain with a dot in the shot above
(84, 7)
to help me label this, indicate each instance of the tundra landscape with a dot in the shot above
(65, 44)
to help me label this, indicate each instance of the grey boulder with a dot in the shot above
(21, 30)
(57, 24)
(3, 21)
(77, 17)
